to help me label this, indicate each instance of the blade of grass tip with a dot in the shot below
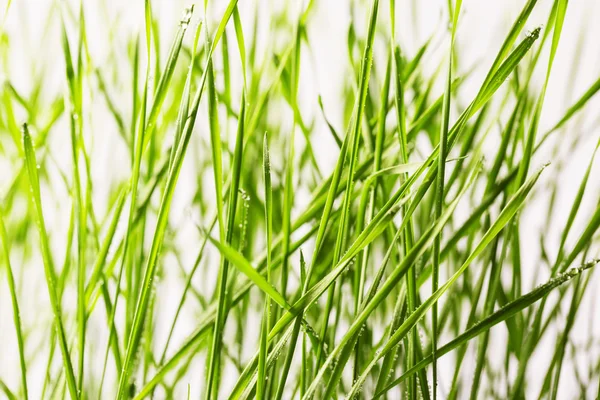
(185, 105)
(439, 199)
(32, 171)
(343, 231)
(223, 271)
(244, 266)
(8, 3)
(507, 311)
(155, 29)
(561, 8)
(116, 114)
(505, 216)
(505, 69)
(510, 39)
(239, 35)
(15, 305)
(265, 328)
(167, 75)
(332, 130)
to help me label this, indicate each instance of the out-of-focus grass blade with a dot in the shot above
(15, 304)
(32, 171)
(167, 75)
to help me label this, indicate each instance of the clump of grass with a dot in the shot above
(252, 245)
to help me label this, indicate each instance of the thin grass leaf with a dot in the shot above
(36, 198)
(15, 306)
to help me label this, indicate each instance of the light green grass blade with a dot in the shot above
(36, 198)
(15, 305)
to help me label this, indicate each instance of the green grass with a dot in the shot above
(430, 231)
